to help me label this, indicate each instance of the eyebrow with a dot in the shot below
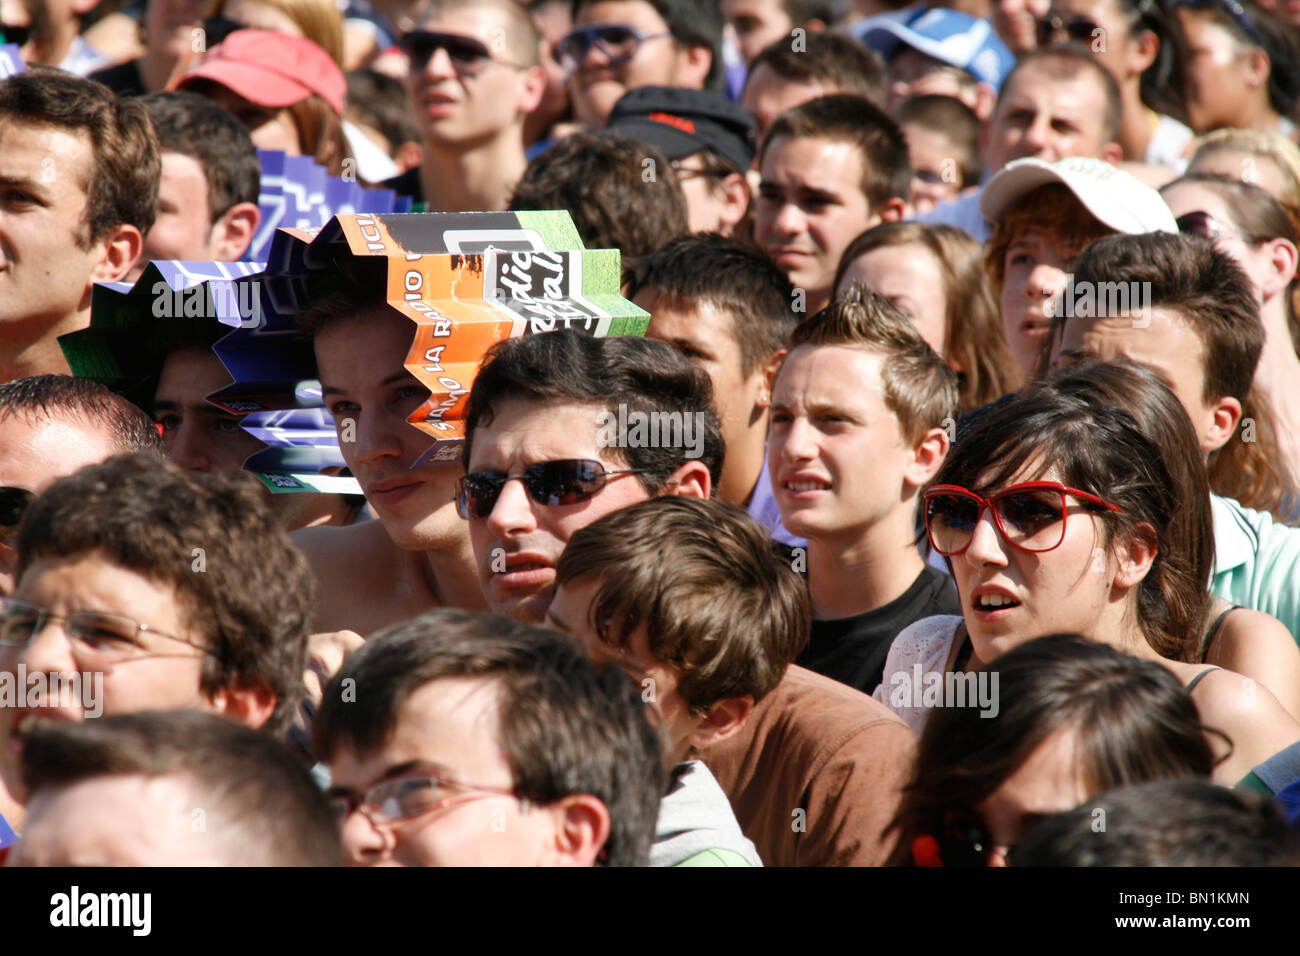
(391, 773)
(396, 376)
(203, 408)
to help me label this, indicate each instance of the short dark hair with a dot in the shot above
(919, 387)
(732, 277)
(1164, 823)
(692, 23)
(380, 101)
(253, 600)
(952, 119)
(568, 726)
(845, 118)
(621, 193)
(125, 167)
(801, 11)
(85, 402)
(1132, 717)
(260, 801)
(701, 575)
(1066, 61)
(199, 127)
(568, 367)
(828, 58)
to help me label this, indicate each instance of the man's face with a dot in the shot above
(706, 203)
(835, 451)
(183, 229)
(767, 95)
(569, 612)
(1042, 115)
(478, 103)
(517, 545)
(371, 394)
(199, 436)
(706, 336)
(161, 673)
(1166, 344)
(1035, 265)
(45, 275)
(33, 454)
(450, 727)
(127, 820)
(597, 84)
(934, 176)
(810, 207)
(757, 23)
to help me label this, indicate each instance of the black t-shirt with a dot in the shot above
(406, 184)
(852, 650)
(123, 79)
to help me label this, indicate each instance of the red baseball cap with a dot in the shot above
(272, 69)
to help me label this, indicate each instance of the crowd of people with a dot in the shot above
(985, 521)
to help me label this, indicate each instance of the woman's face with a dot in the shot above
(1010, 596)
(1051, 780)
(910, 277)
(1254, 258)
(269, 128)
(1217, 72)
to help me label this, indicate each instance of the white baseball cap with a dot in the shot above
(1116, 198)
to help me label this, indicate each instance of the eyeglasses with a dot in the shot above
(95, 635)
(13, 503)
(550, 483)
(468, 56)
(1076, 28)
(1030, 516)
(1203, 224)
(396, 800)
(963, 840)
(617, 42)
(1234, 9)
(687, 172)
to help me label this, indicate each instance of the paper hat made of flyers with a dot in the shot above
(465, 280)
(134, 326)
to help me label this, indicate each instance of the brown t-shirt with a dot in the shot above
(816, 773)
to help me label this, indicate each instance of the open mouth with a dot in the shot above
(995, 602)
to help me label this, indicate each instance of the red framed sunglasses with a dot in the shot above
(1030, 516)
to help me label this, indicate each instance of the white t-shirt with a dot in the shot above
(920, 648)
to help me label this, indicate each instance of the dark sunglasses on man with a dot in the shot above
(468, 55)
(550, 483)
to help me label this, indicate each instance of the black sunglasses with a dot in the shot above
(467, 54)
(550, 483)
(13, 502)
(15, 35)
(1080, 29)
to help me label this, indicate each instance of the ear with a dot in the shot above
(581, 829)
(1282, 259)
(985, 99)
(247, 704)
(1145, 52)
(691, 479)
(769, 377)
(927, 457)
(120, 249)
(892, 210)
(532, 87)
(234, 230)
(693, 65)
(1258, 67)
(725, 718)
(1112, 153)
(1135, 557)
(1226, 415)
(735, 201)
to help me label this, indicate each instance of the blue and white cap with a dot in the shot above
(951, 36)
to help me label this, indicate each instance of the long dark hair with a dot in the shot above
(1162, 82)
(1100, 449)
(1132, 719)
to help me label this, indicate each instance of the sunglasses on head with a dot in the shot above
(1080, 29)
(467, 54)
(616, 41)
(1031, 516)
(13, 503)
(1201, 223)
(550, 483)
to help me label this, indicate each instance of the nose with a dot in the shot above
(1037, 138)
(797, 443)
(363, 842)
(1045, 281)
(440, 66)
(512, 516)
(374, 437)
(789, 220)
(187, 448)
(986, 544)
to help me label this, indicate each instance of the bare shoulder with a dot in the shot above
(351, 565)
(1253, 637)
(1248, 713)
